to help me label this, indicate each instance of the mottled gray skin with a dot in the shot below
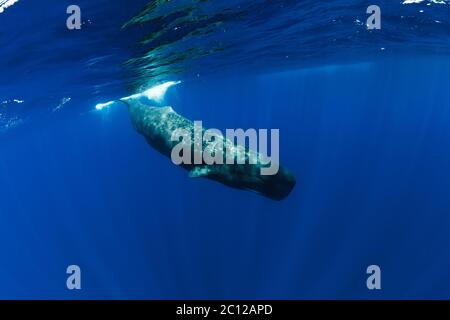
(157, 125)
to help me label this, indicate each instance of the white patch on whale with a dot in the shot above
(6, 3)
(155, 93)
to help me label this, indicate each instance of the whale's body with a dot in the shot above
(157, 125)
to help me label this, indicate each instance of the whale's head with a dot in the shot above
(279, 185)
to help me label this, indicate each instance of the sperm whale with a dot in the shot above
(158, 124)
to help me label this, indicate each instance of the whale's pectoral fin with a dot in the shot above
(198, 172)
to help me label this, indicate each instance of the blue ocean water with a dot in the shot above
(363, 118)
